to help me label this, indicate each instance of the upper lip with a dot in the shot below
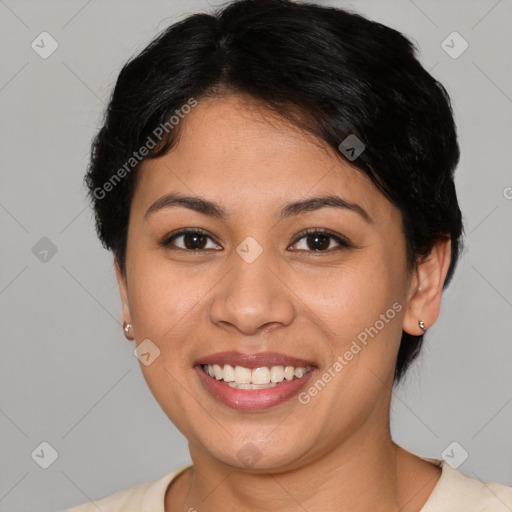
(255, 360)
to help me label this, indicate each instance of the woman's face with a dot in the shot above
(255, 283)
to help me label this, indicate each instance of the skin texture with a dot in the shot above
(336, 452)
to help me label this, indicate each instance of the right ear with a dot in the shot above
(123, 292)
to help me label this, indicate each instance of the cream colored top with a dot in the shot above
(454, 492)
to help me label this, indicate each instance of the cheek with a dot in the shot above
(164, 306)
(350, 298)
(163, 300)
(359, 310)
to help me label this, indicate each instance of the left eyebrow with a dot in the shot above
(315, 203)
(215, 210)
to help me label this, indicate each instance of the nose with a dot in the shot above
(253, 298)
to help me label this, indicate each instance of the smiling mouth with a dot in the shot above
(240, 377)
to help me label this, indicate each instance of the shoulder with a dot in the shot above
(456, 492)
(147, 496)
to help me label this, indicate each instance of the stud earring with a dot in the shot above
(422, 326)
(126, 330)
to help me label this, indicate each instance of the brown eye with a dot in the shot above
(320, 241)
(190, 240)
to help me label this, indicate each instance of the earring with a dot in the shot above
(126, 329)
(422, 326)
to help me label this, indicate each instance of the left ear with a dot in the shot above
(426, 288)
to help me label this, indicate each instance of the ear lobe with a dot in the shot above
(123, 292)
(426, 288)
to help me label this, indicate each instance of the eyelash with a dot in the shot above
(344, 243)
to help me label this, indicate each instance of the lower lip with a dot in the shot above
(252, 399)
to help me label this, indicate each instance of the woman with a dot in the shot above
(276, 184)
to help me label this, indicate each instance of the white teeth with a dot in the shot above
(289, 372)
(257, 378)
(300, 372)
(252, 386)
(242, 375)
(261, 376)
(276, 374)
(217, 371)
(229, 373)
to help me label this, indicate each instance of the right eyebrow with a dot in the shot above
(197, 204)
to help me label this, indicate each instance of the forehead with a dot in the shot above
(236, 152)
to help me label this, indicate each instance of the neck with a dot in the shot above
(366, 473)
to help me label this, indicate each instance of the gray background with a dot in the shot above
(68, 377)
